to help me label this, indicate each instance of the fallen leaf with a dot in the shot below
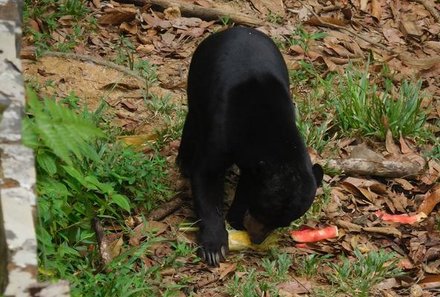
(376, 9)
(430, 282)
(129, 28)
(172, 12)
(391, 147)
(117, 15)
(363, 5)
(226, 268)
(432, 199)
(410, 28)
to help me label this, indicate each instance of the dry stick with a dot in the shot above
(205, 12)
(430, 8)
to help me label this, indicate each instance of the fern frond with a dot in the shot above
(52, 139)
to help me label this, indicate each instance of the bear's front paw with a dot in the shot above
(213, 246)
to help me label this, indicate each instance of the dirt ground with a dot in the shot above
(404, 35)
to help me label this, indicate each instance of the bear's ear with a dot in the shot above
(318, 172)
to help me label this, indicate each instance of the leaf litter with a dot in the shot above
(403, 35)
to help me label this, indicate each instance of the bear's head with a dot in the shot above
(281, 195)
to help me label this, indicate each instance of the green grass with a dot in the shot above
(273, 270)
(364, 108)
(356, 277)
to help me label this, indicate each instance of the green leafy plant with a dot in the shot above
(80, 176)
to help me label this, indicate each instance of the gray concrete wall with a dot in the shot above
(18, 244)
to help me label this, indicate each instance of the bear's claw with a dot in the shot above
(213, 257)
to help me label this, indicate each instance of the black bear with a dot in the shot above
(240, 112)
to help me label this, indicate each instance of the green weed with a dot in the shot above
(308, 266)
(277, 270)
(303, 38)
(356, 277)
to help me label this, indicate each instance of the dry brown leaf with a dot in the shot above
(404, 148)
(129, 28)
(96, 3)
(129, 105)
(326, 22)
(376, 9)
(410, 28)
(406, 185)
(226, 268)
(115, 247)
(203, 3)
(430, 282)
(384, 230)
(117, 15)
(393, 35)
(349, 225)
(431, 200)
(156, 22)
(391, 147)
(420, 64)
(146, 228)
(363, 5)
(435, 45)
(172, 13)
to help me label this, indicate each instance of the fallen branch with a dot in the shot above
(166, 209)
(385, 168)
(205, 13)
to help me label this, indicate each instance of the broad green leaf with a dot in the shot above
(121, 201)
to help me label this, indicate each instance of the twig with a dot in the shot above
(429, 7)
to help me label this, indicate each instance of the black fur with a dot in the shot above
(240, 112)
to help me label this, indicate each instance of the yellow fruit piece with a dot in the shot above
(240, 240)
